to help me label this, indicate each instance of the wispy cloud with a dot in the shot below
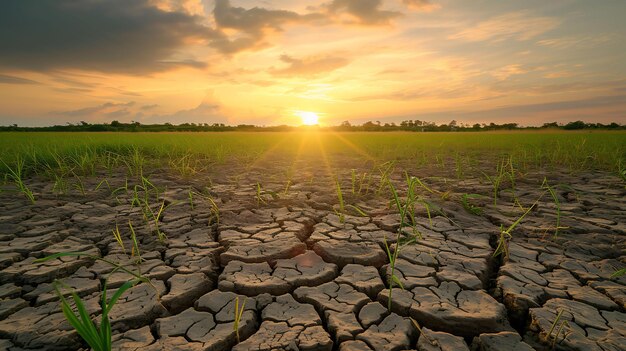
(309, 66)
(516, 25)
(107, 107)
(586, 41)
(507, 71)
(6, 79)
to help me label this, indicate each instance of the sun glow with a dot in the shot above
(308, 118)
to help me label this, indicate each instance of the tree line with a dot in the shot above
(408, 125)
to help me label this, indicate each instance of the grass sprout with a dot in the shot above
(545, 185)
(468, 206)
(238, 314)
(342, 208)
(261, 195)
(118, 237)
(419, 329)
(505, 234)
(385, 170)
(190, 196)
(559, 330)
(405, 209)
(98, 337)
(135, 250)
(619, 273)
(16, 174)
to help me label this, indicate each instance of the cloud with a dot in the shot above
(119, 36)
(106, 108)
(149, 107)
(577, 42)
(309, 66)
(366, 12)
(507, 71)
(206, 112)
(414, 94)
(519, 26)
(123, 112)
(420, 5)
(192, 7)
(251, 25)
(5, 79)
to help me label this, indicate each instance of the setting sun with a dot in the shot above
(308, 118)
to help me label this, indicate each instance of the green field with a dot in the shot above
(568, 150)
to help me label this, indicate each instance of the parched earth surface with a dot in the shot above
(303, 278)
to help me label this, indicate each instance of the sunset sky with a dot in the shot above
(272, 62)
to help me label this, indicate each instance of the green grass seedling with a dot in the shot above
(404, 209)
(103, 181)
(79, 185)
(16, 174)
(385, 170)
(621, 169)
(557, 203)
(215, 210)
(559, 330)
(261, 194)
(190, 196)
(118, 237)
(342, 209)
(468, 206)
(135, 250)
(619, 273)
(98, 337)
(238, 314)
(505, 235)
(287, 186)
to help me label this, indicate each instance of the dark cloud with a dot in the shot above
(5, 79)
(126, 36)
(309, 66)
(251, 25)
(367, 12)
(252, 20)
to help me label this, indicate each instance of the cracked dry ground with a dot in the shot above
(311, 282)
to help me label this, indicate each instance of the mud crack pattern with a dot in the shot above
(312, 280)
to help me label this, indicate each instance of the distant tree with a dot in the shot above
(550, 125)
(509, 126)
(369, 125)
(575, 125)
(115, 124)
(476, 126)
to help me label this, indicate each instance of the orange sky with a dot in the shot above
(267, 62)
